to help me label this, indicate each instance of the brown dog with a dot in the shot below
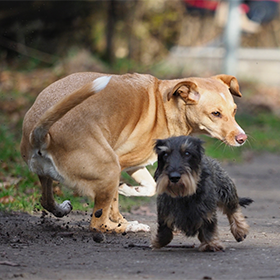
(84, 139)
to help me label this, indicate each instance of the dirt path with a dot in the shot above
(37, 247)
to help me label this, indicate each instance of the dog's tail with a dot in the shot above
(39, 137)
(245, 201)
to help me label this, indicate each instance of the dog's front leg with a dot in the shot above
(147, 184)
(209, 237)
(163, 237)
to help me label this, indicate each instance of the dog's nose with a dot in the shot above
(241, 138)
(174, 177)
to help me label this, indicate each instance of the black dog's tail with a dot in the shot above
(245, 201)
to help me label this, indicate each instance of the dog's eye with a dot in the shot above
(165, 155)
(216, 114)
(187, 154)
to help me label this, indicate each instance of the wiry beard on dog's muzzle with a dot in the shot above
(186, 186)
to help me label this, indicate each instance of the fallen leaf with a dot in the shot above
(8, 182)
(6, 199)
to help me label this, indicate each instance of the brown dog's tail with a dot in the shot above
(39, 137)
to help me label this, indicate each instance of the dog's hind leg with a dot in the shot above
(147, 184)
(163, 236)
(229, 202)
(115, 215)
(101, 186)
(106, 216)
(48, 202)
(209, 237)
(100, 219)
(238, 225)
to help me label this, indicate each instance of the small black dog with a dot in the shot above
(190, 187)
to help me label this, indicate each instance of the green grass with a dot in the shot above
(263, 136)
(19, 188)
(22, 190)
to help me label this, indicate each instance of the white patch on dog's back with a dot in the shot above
(223, 96)
(100, 83)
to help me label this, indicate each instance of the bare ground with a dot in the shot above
(44, 247)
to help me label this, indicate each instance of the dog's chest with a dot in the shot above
(187, 214)
(132, 155)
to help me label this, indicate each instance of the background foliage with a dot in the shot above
(42, 41)
(138, 31)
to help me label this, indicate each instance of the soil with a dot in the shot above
(41, 246)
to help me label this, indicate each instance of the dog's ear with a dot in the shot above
(187, 90)
(198, 144)
(156, 145)
(160, 146)
(158, 171)
(231, 82)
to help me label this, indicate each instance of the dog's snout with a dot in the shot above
(241, 138)
(174, 177)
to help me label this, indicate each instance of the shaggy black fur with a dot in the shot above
(195, 213)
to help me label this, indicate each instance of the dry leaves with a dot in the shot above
(6, 183)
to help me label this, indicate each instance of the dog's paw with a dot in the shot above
(63, 209)
(214, 246)
(126, 190)
(240, 231)
(239, 237)
(134, 226)
(155, 244)
(238, 226)
(66, 206)
(144, 190)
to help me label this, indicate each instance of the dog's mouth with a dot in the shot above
(185, 186)
(233, 138)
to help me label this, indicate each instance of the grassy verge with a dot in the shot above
(20, 190)
(263, 136)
